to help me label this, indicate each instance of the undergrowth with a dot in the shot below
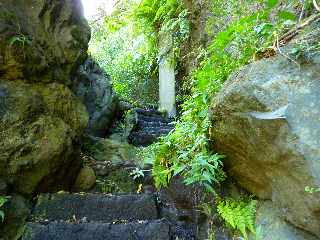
(186, 151)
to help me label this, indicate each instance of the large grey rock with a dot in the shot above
(148, 230)
(95, 207)
(270, 225)
(93, 86)
(266, 121)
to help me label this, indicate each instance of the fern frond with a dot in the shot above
(239, 214)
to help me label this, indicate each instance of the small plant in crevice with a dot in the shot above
(137, 173)
(3, 200)
(239, 214)
(312, 190)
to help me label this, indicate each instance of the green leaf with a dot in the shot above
(272, 3)
(286, 15)
(1, 216)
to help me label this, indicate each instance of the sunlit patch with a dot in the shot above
(93, 7)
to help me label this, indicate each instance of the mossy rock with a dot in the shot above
(117, 154)
(39, 130)
(42, 41)
(86, 179)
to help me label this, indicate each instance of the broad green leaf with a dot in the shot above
(272, 3)
(286, 15)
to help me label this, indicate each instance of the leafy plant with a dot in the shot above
(137, 173)
(186, 151)
(239, 214)
(3, 200)
(19, 40)
(127, 52)
(125, 45)
(311, 190)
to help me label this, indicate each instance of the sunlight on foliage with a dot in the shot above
(125, 45)
(239, 214)
(3, 200)
(127, 52)
(186, 151)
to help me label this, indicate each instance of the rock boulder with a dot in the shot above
(42, 43)
(93, 86)
(266, 121)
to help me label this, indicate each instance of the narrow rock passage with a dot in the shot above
(116, 209)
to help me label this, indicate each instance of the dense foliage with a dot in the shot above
(186, 151)
(125, 45)
(127, 52)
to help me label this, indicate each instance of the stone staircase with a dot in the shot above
(150, 125)
(123, 215)
(82, 216)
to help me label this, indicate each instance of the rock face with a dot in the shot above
(42, 43)
(93, 87)
(41, 40)
(266, 121)
(272, 227)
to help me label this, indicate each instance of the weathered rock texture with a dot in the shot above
(270, 225)
(95, 207)
(42, 43)
(42, 40)
(151, 230)
(266, 121)
(93, 86)
(83, 216)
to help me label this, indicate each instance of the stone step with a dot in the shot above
(141, 139)
(95, 207)
(149, 112)
(153, 119)
(139, 230)
(142, 123)
(152, 131)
